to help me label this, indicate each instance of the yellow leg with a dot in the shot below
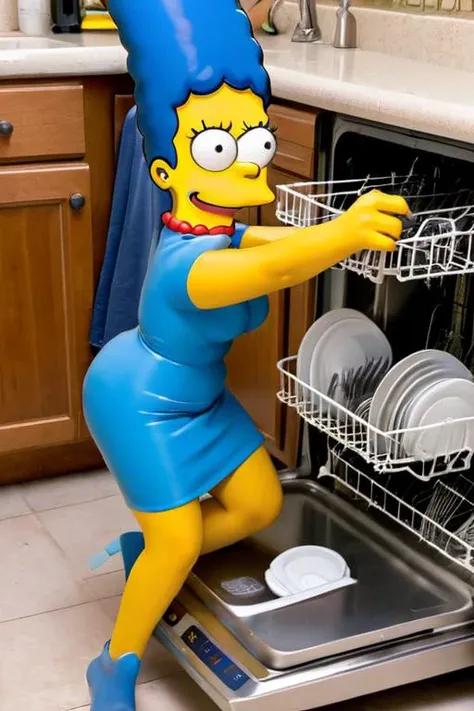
(246, 502)
(173, 541)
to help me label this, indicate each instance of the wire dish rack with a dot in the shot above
(385, 450)
(441, 517)
(438, 241)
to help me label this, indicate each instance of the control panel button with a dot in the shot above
(214, 659)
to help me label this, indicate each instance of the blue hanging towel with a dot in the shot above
(135, 223)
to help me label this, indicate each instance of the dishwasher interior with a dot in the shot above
(406, 528)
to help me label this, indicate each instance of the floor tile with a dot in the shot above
(175, 693)
(67, 490)
(84, 529)
(35, 574)
(106, 483)
(157, 662)
(12, 502)
(107, 585)
(50, 652)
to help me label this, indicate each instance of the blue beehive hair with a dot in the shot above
(179, 47)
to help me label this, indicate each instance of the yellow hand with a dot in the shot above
(370, 223)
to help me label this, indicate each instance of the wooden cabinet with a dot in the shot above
(46, 299)
(252, 372)
(296, 139)
(51, 255)
(252, 363)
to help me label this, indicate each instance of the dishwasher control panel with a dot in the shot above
(184, 626)
(215, 660)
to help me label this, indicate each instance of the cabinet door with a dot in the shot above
(46, 302)
(300, 305)
(252, 372)
(252, 362)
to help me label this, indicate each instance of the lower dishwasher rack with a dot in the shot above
(383, 449)
(440, 514)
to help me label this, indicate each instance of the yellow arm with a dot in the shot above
(224, 277)
(256, 236)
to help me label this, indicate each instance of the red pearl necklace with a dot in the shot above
(186, 229)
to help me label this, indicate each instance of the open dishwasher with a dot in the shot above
(405, 526)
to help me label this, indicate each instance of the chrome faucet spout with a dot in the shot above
(307, 29)
(345, 36)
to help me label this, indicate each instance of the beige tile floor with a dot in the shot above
(55, 614)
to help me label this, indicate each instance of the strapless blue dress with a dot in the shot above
(155, 398)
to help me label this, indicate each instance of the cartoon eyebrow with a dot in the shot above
(261, 124)
(204, 127)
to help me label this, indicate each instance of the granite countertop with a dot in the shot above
(403, 92)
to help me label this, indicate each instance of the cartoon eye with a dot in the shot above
(258, 145)
(214, 149)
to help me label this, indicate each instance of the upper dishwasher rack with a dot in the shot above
(438, 242)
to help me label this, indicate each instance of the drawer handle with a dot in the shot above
(6, 128)
(77, 201)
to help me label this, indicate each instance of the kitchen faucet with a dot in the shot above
(307, 29)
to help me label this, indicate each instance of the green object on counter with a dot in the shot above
(269, 29)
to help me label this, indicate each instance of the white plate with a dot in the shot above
(314, 333)
(277, 588)
(443, 402)
(345, 346)
(405, 393)
(401, 373)
(308, 567)
(363, 408)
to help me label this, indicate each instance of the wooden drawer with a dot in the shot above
(47, 121)
(296, 139)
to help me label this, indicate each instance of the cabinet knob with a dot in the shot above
(77, 201)
(6, 128)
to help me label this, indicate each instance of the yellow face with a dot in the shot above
(223, 146)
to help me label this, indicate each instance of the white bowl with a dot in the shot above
(277, 588)
(308, 567)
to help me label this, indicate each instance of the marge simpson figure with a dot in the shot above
(155, 397)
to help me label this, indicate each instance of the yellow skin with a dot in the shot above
(251, 498)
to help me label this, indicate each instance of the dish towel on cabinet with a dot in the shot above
(134, 226)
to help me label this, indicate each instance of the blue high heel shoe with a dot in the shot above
(112, 682)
